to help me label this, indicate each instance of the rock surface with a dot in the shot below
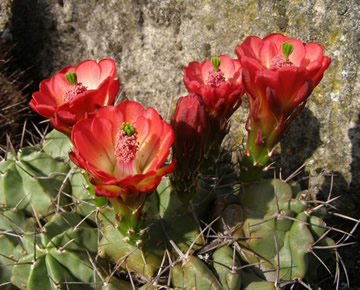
(5, 12)
(152, 40)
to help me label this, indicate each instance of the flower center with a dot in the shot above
(279, 61)
(73, 91)
(126, 144)
(215, 78)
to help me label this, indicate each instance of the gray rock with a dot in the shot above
(152, 40)
(5, 13)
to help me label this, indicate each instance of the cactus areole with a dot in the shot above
(74, 92)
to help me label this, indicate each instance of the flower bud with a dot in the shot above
(190, 123)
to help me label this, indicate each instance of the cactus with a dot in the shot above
(194, 274)
(54, 248)
(163, 212)
(13, 225)
(32, 181)
(58, 255)
(274, 235)
(226, 265)
(278, 230)
(145, 261)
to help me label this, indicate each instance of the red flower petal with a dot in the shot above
(98, 78)
(94, 142)
(267, 51)
(89, 74)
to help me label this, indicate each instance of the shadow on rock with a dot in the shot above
(349, 202)
(299, 144)
(354, 190)
(31, 26)
(348, 206)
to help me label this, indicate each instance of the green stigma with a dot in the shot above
(215, 61)
(71, 78)
(128, 128)
(287, 49)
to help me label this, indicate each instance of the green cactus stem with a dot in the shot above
(194, 274)
(13, 225)
(251, 281)
(129, 217)
(145, 261)
(33, 181)
(226, 262)
(116, 284)
(57, 255)
(253, 169)
(83, 194)
(171, 210)
(57, 145)
(277, 231)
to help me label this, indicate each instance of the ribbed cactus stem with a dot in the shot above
(129, 217)
(255, 163)
(185, 186)
(251, 170)
(264, 133)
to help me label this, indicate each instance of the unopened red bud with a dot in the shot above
(191, 126)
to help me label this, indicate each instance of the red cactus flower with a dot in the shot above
(279, 74)
(218, 82)
(74, 92)
(123, 148)
(191, 126)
